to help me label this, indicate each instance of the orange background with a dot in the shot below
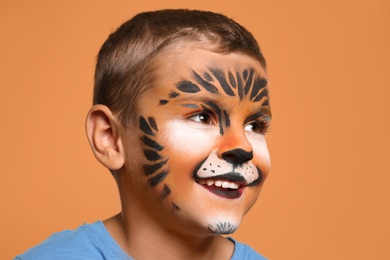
(327, 196)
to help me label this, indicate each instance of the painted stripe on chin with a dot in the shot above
(223, 228)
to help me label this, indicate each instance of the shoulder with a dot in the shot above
(245, 252)
(89, 241)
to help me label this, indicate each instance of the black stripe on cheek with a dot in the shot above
(151, 143)
(163, 101)
(175, 208)
(207, 86)
(240, 86)
(257, 85)
(263, 93)
(152, 123)
(158, 178)
(149, 169)
(227, 119)
(165, 193)
(232, 80)
(249, 82)
(222, 80)
(151, 155)
(187, 86)
(144, 126)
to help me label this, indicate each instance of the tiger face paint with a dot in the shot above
(201, 130)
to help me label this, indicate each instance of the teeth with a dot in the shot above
(233, 185)
(223, 184)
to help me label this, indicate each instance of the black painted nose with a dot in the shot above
(237, 156)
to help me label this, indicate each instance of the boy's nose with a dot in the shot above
(234, 147)
(237, 156)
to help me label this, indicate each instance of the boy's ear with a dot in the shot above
(103, 132)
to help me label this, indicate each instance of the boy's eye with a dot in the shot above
(203, 117)
(257, 127)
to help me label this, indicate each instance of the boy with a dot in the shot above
(180, 111)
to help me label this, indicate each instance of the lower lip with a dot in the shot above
(224, 193)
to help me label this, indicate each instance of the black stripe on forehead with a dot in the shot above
(245, 74)
(207, 76)
(220, 76)
(163, 101)
(232, 80)
(173, 94)
(248, 82)
(263, 93)
(187, 86)
(258, 84)
(266, 103)
(207, 86)
(240, 84)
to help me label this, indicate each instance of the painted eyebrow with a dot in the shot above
(262, 113)
(190, 99)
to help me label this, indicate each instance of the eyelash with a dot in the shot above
(206, 114)
(261, 124)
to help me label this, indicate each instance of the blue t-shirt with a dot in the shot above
(93, 241)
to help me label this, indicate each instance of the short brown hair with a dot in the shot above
(123, 70)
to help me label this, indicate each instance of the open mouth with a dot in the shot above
(223, 188)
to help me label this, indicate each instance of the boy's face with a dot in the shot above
(201, 130)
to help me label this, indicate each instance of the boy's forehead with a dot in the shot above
(207, 67)
(181, 62)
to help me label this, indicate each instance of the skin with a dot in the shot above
(203, 122)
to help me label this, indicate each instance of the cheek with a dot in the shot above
(189, 140)
(261, 157)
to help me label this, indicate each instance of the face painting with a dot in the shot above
(201, 129)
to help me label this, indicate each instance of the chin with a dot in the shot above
(223, 225)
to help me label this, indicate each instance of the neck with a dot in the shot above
(145, 240)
